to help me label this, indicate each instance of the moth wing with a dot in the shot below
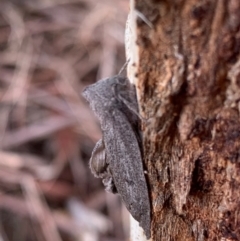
(126, 162)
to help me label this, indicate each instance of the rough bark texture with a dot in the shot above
(189, 92)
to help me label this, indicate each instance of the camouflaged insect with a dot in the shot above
(117, 157)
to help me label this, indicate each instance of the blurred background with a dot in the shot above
(49, 51)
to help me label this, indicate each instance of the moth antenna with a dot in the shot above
(124, 67)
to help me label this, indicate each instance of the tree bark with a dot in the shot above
(188, 82)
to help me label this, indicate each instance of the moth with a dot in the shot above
(117, 157)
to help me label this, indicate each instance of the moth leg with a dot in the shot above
(131, 104)
(129, 99)
(108, 182)
(98, 164)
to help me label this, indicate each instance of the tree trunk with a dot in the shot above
(187, 73)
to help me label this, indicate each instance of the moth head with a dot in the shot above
(121, 80)
(120, 84)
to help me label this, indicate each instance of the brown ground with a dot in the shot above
(49, 51)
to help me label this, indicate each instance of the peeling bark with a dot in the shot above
(188, 81)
